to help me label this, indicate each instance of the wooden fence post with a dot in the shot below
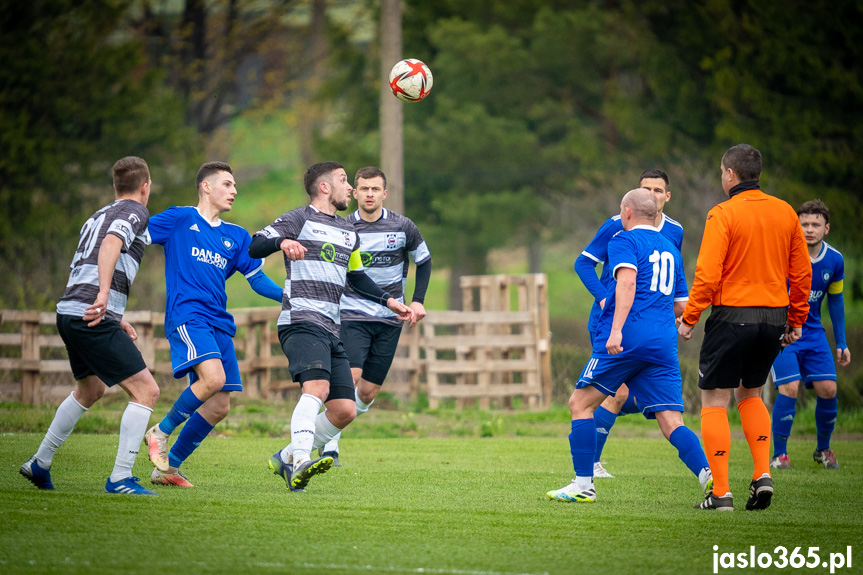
(31, 380)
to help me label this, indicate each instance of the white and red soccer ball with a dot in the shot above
(411, 80)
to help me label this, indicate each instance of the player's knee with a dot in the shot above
(789, 389)
(88, 395)
(213, 383)
(621, 395)
(343, 415)
(825, 389)
(368, 394)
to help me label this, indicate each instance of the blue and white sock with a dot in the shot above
(191, 436)
(582, 446)
(825, 420)
(303, 426)
(187, 404)
(604, 422)
(68, 414)
(784, 410)
(689, 449)
(133, 426)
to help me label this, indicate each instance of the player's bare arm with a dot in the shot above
(109, 253)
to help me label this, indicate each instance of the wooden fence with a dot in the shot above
(481, 355)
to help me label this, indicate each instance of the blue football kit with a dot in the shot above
(648, 362)
(199, 258)
(810, 358)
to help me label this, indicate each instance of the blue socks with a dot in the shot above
(689, 449)
(825, 420)
(582, 446)
(783, 416)
(191, 436)
(183, 408)
(604, 422)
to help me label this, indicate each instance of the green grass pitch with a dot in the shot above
(414, 505)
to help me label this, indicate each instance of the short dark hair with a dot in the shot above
(210, 168)
(316, 172)
(130, 173)
(654, 174)
(368, 173)
(745, 161)
(814, 208)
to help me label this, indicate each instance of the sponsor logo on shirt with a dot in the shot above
(815, 295)
(330, 254)
(208, 257)
(194, 227)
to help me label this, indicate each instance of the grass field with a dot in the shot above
(461, 505)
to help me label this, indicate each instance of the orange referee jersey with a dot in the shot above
(753, 254)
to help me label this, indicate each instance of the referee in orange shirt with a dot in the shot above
(753, 268)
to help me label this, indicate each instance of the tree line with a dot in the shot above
(543, 112)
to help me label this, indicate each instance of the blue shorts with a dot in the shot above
(631, 404)
(657, 387)
(194, 342)
(809, 359)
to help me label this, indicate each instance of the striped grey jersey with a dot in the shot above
(126, 219)
(314, 285)
(385, 245)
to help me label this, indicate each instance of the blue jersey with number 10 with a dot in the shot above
(649, 332)
(597, 251)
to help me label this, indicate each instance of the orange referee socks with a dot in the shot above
(716, 435)
(756, 427)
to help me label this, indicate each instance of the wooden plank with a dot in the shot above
(458, 391)
(468, 366)
(475, 317)
(10, 339)
(516, 340)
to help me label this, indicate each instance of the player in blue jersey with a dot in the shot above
(369, 331)
(636, 342)
(97, 338)
(596, 252)
(810, 358)
(201, 252)
(321, 253)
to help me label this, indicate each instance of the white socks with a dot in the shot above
(68, 414)
(303, 427)
(324, 430)
(362, 407)
(584, 483)
(133, 426)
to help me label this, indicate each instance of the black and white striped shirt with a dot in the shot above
(385, 246)
(314, 285)
(126, 219)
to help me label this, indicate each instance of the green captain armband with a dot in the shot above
(356, 261)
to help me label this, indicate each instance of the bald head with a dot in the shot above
(638, 207)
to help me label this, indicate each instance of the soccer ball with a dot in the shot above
(411, 80)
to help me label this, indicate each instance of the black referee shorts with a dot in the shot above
(737, 353)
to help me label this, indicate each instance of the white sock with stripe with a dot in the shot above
(133, 426)
(303, 426)
(67, 415)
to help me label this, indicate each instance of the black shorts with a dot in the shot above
(315, 353)
(371, 345)
(104, 350)
(733, 353)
